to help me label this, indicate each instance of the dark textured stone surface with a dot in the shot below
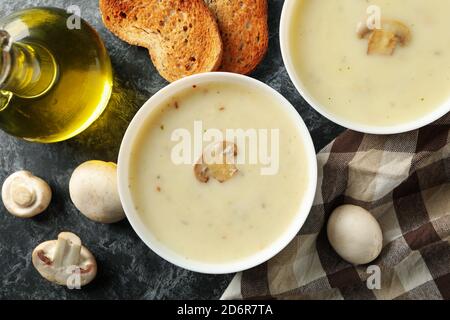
(127, 268)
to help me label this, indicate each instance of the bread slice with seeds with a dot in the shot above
(245, 32)
(182, 36)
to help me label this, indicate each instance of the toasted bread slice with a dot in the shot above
(245, 32)
(182, 36)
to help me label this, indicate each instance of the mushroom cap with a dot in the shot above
(355, 234)
(25, 195)
(94, 191)
(43, 258)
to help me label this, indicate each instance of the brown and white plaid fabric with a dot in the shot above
(404, 180)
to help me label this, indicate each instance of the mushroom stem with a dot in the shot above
(25, 195)
(73, 256)
(58, 255)
(22, 196)
(67, 251)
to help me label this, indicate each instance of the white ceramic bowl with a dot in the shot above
(285, 23)
(146, 234)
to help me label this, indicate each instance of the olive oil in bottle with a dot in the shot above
(54, 81)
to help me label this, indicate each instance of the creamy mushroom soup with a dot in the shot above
(395, 72)
(217, 215)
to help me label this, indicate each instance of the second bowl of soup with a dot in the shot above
(376, 66)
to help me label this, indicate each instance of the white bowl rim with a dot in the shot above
(142, 231)
(301, 88)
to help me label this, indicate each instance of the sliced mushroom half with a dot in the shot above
(218, 162)
(65, 261)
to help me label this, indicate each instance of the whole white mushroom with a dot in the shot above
(24, 195)
(94, 192)
(355, 234)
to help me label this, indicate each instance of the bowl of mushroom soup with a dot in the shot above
(217, 173)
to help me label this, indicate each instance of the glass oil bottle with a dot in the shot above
(54, 81)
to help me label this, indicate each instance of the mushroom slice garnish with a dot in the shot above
(384, 40)
(25, 195)
(222, 172)
(363, 31)
(201, 172)
(218, 162)
(399, 29)
(65, 261)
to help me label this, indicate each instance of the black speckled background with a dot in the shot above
(127, 268)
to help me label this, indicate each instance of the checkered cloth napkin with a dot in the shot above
(404, 181)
